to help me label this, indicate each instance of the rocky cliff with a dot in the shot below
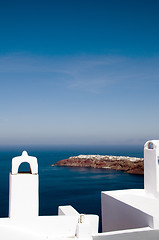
(128, 164)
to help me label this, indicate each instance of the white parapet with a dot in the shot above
(131, 234)
(24, 189)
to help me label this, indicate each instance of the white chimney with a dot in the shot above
(24, 189)
(151, 167)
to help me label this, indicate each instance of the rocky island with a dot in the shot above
(131, 165)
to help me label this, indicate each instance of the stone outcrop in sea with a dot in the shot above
(131, 165)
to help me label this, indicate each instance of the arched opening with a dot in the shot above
(24, 168)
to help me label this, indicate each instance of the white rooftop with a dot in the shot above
(126, 214)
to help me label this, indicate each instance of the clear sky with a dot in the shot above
(79, 71)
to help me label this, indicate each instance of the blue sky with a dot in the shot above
(79, 72)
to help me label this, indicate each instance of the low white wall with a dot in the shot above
(91, 219)
(130, 235)
(67, 210)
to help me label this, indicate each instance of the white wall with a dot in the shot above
(117, 215)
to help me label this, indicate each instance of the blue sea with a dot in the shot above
(79, 187)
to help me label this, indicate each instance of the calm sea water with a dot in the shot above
(79, 187)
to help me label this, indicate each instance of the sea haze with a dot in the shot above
(79, 187)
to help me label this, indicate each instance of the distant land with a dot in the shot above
(130, 165)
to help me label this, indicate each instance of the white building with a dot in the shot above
(126, 214)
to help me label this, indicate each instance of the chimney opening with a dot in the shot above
(150, 145)
(24, 167)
